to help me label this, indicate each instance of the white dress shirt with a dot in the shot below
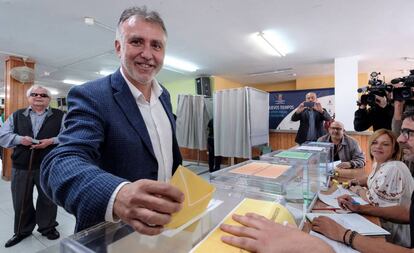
(160, 133)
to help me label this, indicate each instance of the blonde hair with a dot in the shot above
(396, 155)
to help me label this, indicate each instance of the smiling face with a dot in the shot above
(406, 139)
(382, 148)
(141, 49)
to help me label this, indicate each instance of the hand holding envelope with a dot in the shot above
(197, 192)
(147, 205)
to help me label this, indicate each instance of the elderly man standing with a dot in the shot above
(346, 150)
(32, 132)
(119, 149)
(311, 116)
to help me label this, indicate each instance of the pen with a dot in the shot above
(355, 202)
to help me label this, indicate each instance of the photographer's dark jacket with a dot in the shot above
(18, 125)
(303, 117)
(376, 117)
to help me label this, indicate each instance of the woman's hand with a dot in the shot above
(328, 228)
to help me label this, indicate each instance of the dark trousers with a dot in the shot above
(44, 215)
(213, 161)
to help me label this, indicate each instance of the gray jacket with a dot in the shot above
(348, 150)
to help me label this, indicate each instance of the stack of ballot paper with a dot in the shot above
(331, 199)
(352, 221)
(269, 209)
(260, 169)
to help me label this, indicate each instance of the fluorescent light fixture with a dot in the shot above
(105, 72)
(74, 82)
(410, 59)
(272, 72)
(91, 21)
(271, 43)
(53, 91)
(175, 63)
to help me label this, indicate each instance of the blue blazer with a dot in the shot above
(105, 142)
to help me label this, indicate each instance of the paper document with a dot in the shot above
(271, 210)
(352, 221)
(294, 155)
(338, 247)
(197, 192)
(257, 169)
(211, 206)
(331, 199)
(310, 148)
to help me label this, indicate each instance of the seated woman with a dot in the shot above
(389, 184)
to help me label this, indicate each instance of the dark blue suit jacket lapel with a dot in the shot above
(126, 102)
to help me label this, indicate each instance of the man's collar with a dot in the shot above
(28, 109)
(136, 93)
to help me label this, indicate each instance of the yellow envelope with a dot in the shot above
(197, 192)
(271, 210)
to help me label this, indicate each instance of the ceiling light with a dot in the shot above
(53, 91)
(410, 59)
(89, 20)
(272, 72)
(92, 21)
(271, 43)
(179, 64)
(105, 72)
(74, 82)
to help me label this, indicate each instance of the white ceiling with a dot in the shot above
(214, 35)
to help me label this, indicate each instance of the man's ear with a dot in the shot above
(118, 47)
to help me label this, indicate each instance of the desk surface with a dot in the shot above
(332, 188)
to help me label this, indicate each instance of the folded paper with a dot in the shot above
(268, 209)
(197, 192)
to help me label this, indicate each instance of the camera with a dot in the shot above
(403, 93)
(375, 87)
(309, 104)
(407, 80)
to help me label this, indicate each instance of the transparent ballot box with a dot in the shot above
(285, 176)
(306, 161)
(326, 156)
(119, 237)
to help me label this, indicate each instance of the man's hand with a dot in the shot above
(318, 107)
(344, 165)
(381, 101)
(328, 228)
(26, 141)
(43, 143)
(262, 235)
(300, 108)
(147, 205)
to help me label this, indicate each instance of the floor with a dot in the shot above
(66, 221)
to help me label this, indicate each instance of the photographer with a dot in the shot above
(380, 112)
(403, 99)
(311, 116)
(378, 116)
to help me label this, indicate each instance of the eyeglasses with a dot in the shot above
(406, 132)
(43, 95)
(336, 128)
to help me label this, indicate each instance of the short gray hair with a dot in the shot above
(141, 12)
(34, 87)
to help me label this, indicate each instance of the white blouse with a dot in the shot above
(389, 185)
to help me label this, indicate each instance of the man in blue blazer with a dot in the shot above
(119, 148)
